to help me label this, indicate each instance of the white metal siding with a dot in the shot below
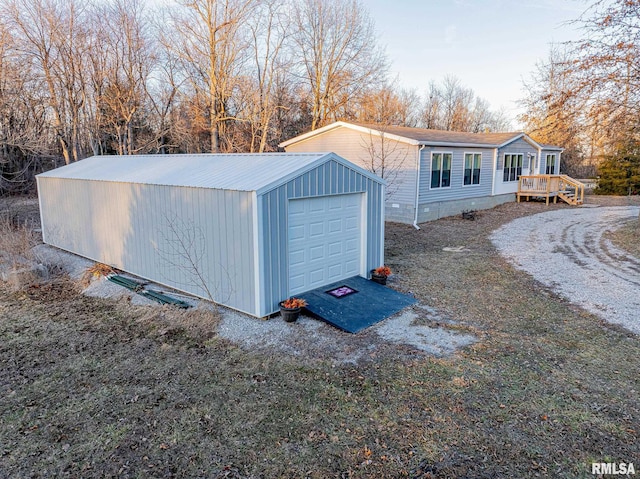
(156, 232)
(324, 240)
(238, 238)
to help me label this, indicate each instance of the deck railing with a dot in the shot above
(571, 190)
(551, 186)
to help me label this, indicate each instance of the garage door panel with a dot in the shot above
(335, 248)
(317, 276)
(336, 202)
(296, 282)
(335, 270)
(316, 253)
(316, 207)
(335, 226)
(351, 223)
(296, 258)
(331, 240)
(352, 246)
(296, 232)
(296, 208)
(352, 200)
(351, 268)
(316, 229)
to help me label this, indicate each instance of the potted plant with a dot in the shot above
(380, 274)
(290, 309)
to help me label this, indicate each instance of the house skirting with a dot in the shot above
(399, 212)
(442, 209)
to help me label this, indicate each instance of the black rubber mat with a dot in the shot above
(370, 303)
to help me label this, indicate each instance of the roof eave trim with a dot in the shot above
(309, 134)
(526, 138)
(457, 144)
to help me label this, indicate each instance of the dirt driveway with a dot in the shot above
(568, 250)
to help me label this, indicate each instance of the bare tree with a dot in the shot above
(337, 54)
(606, 64)
(162, 92)
(552, 115)
(51, 34)
(129, 59)
(388, 106)
(386, 158)
(24, 137)
(451, 106)
(209, 42)
(268, 35)
(182, 253)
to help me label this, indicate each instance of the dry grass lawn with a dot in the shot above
(627, 237)
(92, 388)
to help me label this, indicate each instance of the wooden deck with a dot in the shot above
(551, 186)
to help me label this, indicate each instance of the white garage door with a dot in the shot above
(324, 240)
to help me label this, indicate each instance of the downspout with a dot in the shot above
(415, 218)
(494, 171)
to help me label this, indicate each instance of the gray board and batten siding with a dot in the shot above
(155, 215)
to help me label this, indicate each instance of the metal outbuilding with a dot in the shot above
(246, 230)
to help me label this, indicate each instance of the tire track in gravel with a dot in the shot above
(566, 250)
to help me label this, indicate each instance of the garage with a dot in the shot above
(243, 230)
(325, 238)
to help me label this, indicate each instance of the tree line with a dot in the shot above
(586, 97)
(79, 78)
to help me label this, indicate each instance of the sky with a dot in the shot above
(490, 45)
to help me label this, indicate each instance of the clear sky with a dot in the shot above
(490, 45)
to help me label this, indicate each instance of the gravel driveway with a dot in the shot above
(567, 251)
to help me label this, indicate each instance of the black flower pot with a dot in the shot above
(378, 278)
(290, 315)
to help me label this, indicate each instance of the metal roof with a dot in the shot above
(236, 171)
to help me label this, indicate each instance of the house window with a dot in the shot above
(440, 170)
(512, 167)
(472, 162)
(551, 164)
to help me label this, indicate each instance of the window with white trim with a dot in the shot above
(472, 164)
(551, 164)
(512, 167)
(440, 170)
